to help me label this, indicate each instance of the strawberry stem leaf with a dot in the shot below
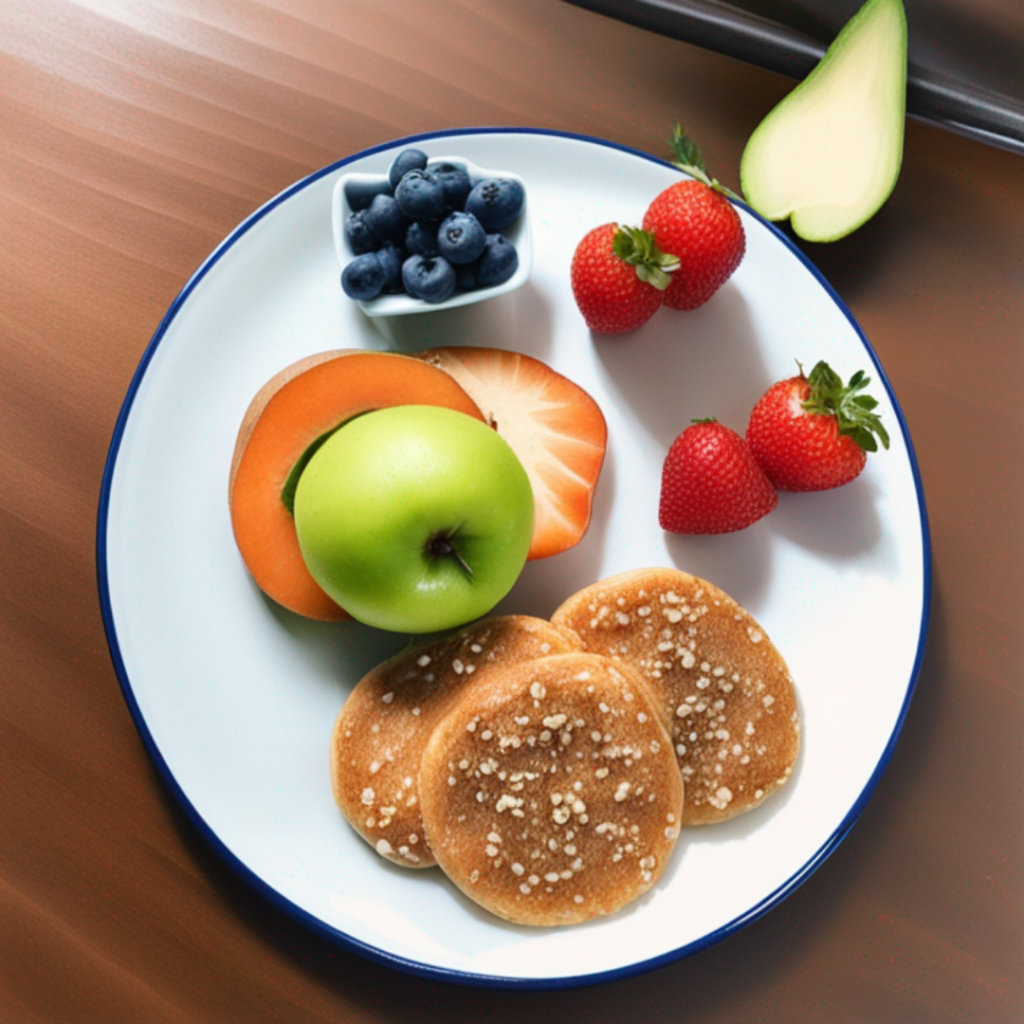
(689, 158)
(854, 411)
(638, 248)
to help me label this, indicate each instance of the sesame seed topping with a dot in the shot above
(423, 660)
(383, 847)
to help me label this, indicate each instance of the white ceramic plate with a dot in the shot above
(235, 698)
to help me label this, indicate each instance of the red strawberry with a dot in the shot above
(695, 220)
(618, 275)
(811, 433)
(711, 484)
(553, 425)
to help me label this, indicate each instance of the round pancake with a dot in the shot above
(550, 793)
(727, 690)
(382, 728)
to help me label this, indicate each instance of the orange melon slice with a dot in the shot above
(552, 424)
(295, 409)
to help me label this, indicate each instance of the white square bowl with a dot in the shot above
(398, 305)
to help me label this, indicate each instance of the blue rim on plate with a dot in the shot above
(283, 903)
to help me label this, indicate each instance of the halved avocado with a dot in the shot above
(829, 154)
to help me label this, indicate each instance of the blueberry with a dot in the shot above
(420, 197)
(359, 194)
(496, 202)
(385, 219)
(391, 257)
(359, 234)
(407, 160)
(421, 238)
(498, 262)
(461, 238)
(430, 278)
(454, 180)
(364, 277)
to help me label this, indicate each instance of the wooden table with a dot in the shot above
(136, 136)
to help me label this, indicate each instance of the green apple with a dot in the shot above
(414, 518)
(829, 154)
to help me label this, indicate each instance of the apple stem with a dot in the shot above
(440, 546)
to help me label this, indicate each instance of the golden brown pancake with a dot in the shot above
(384, 725)
(726, 688)
(550, 793)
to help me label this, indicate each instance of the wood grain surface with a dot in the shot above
(136, 135)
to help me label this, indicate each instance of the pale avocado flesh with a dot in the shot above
(829, 154)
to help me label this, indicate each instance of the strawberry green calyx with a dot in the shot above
(854, 411)
(637, 248)
(688, 158)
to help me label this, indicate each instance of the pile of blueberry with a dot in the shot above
(429, 231)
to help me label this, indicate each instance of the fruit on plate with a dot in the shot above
(695, 220)
(438, 224)
(414, 518)
(430, 278)
(829, 154)
(496, 202)
(365, 277)
(461, 238)
(618, 275)
(555, 428)
(812, 433)
(284, 423)
(407, 160)
(710, 482)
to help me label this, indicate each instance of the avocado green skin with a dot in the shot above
(380, 489)
(819, 83)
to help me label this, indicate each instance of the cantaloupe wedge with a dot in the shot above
(300, 405)
(552, 424)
